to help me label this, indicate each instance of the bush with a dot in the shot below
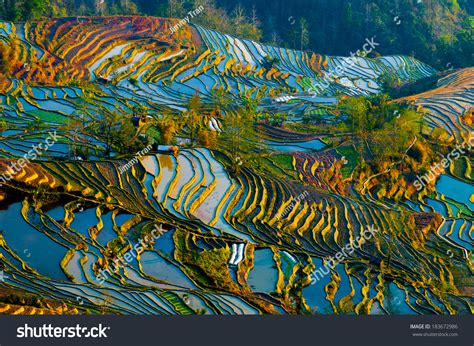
(3, 125)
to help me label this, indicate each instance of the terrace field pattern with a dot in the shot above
(230, 242)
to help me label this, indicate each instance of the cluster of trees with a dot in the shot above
(391, 140)
(15, 10)
(190, 123)
(383, 127)
(237, 21)
(437, 32)
(22, 10)
(117, 132)
(113, 128)
(120, 133)
(239, 137)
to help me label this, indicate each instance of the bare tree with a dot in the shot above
(304, 33)
(238, 17)
(255, 21)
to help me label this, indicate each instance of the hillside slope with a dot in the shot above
(450, 105)
(214, 238)
(139, 53)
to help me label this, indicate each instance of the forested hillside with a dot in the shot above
(436, 31)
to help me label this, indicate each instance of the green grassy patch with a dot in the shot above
(49, 116)
(352, 157)
(310, 128)
(154, 133)
(280, 165)
(284, 161)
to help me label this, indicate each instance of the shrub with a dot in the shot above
(3, 125)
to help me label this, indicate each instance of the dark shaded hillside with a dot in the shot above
(437, 32)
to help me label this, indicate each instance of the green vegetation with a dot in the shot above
(437, 32)
(382, 127)
(3, 125)
(15, 10)
(251, 199)
(46, 116)
(117, 132)
(352, 158)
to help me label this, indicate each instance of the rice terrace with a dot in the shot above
(159, 166)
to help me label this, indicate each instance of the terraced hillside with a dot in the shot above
(141, 56)
(188, 229)
(450, 106)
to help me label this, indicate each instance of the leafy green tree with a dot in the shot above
(192, 118)
(176, 9)
(220, 100)
(356, 108)
(168, 127)
(117, 132)
(239, 134)
(34, 9)
(251, 106)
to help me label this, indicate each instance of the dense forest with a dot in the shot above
(438, 32)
